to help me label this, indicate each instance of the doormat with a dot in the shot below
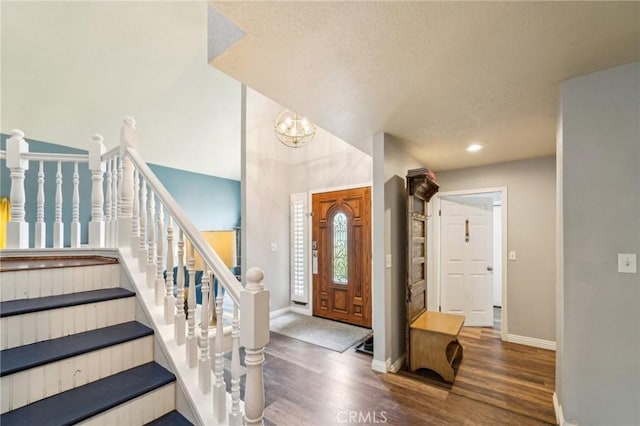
(333, 335)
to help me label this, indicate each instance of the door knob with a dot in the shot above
(490, 268)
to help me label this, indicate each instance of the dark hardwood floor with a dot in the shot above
(497, 383)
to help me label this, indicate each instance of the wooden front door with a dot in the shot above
(341, 250)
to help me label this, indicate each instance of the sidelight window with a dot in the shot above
(298, 245)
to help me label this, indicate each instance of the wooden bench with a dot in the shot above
(434, 343)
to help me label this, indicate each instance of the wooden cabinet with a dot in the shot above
(420, 189)
(431, 337)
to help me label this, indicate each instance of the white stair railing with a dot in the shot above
(128, 210)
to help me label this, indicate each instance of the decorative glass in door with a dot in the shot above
(340, 249)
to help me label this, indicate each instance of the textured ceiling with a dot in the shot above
(436, 75)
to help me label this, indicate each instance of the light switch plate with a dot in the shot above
(512, 255)
(387, 261)
(274, 246)
(627, 263)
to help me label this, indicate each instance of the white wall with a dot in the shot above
(72, 69)
(531, 233)
(266, 198)
(273, 172)
(598, 362)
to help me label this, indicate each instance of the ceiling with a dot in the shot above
(72, 69)
(436, 75)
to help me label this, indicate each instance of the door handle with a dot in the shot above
(490, 268)
(466, 231)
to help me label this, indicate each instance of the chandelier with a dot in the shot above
(294, 130)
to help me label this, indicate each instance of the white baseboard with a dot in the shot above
(388, 366)
(532, 341)
(559, 414)
(278, 312)
(398, 363)
(300, 310)
(379, 366)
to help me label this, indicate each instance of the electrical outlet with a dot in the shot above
(627, 263)
(274, 247)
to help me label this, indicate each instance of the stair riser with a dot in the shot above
(39, 326)
(32, 283)
(138, 411)
(32, 385)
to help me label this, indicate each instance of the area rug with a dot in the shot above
(329, 334)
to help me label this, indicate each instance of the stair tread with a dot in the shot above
(25, 263)
(25, 306)
(81, 403)
(172, 418)
(29, 356)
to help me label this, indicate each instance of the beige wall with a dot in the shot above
(598, 358)
(531, 233)
(396, 163)
(390, 165)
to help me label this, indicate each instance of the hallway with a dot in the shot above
(497, 384)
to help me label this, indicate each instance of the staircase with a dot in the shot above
(133, 218)
(72, 350)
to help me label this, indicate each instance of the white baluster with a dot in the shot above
(128, 138)
(219, 389)
(160, 289)
(191, 347)
(120, 186)
(41, 226)
(58, 226)
(254, 335)
(179, 323)
(204, 362)
(75, 221)
(17, 228)
(135, 220)
(212, 308)
(169, 299)
(114, 202)
(142, 248)
(109, 221)
(97, 167)
(151, 235)
(235, 417)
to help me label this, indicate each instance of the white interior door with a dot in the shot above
(466, 257)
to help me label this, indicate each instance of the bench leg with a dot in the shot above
(429, 350)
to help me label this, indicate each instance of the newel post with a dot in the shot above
(17, 228)
(254, 336)
(97, 168)
(128, 139)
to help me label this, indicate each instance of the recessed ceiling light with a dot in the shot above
(474, 147)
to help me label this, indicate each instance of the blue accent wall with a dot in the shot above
(211, 202)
